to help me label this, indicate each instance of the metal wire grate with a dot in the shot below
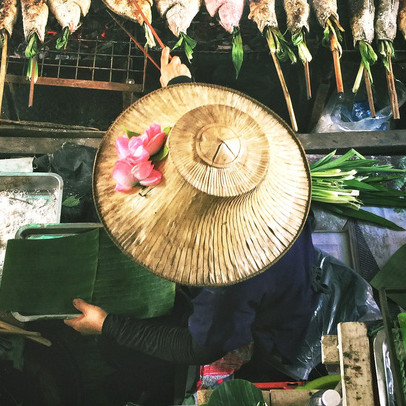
(87, 63)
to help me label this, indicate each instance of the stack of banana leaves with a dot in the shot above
(343, 185)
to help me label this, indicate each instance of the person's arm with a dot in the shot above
(173, 344)
(173, 71)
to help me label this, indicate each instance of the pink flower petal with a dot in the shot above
(153, 179)
(142, 170)
(123, 176)
(153, 130)
(135, 142)
(122, 147)
(155, 143)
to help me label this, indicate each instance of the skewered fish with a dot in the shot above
(229, 12)
(69, 12)
(385, 20)
(297, 15)
(263, 14)
(297, 20)
(362, 20)
(35, 17)
(178, 13)
(8, 15)
(324, 9)
(402, 18)
(129, 10)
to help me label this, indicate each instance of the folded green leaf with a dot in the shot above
(237, 52)
(62, 41)
(362, 215)
(236, 392)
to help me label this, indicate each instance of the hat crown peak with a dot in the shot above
(218, 146)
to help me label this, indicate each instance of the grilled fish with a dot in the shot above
(69, 12)
(8, 15)
(178, 13)
(229, 12)
(262, 12)
(324, 9)
(402, 18)
(297, 15)
(35, 17)
(362, 20)
(385, 19)
(128, 10)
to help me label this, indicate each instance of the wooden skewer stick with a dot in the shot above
(149, 25)
(32, 82)
(285, 92)
(390, 78)
(140, 47)
(28, 334)
(369, 93)
(307, 80)
(3, 68)
(337, 64)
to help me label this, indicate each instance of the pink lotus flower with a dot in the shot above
(133, 167)
(155, 139)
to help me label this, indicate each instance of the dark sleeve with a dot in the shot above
(174, 344)
(179, 79)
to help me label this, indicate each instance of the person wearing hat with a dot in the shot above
(228, 224)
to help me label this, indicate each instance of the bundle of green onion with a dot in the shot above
(344, 184)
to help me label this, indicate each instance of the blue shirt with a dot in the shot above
(271, 309)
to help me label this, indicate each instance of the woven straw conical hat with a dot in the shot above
(235, 191)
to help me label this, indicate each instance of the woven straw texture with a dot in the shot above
(235, 191)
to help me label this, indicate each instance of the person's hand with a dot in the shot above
(90, 321)
(172, 69)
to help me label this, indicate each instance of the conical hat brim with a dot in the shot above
(195, 233)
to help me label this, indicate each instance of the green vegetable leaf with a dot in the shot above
(62, 41)
(160, 155)
(237, 52)
(362, 215)
(368, 57)
(71, 201)
(188, 44)
(32, 48)
(167, 130)
(236, 392)
(130, 133)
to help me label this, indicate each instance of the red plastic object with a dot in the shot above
(277, 385)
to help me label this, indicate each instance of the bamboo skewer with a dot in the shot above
(369, 93)
(32, 82)
(3, 69)
(337, 64)
(392, 89)
(135, 41)
(285, 92)
(307, 80)
(149, 25)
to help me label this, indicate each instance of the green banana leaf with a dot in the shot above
(393, 275)
(43, 276)
(124, 287)
(236, 392)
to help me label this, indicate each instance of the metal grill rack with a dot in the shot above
(86, 63)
